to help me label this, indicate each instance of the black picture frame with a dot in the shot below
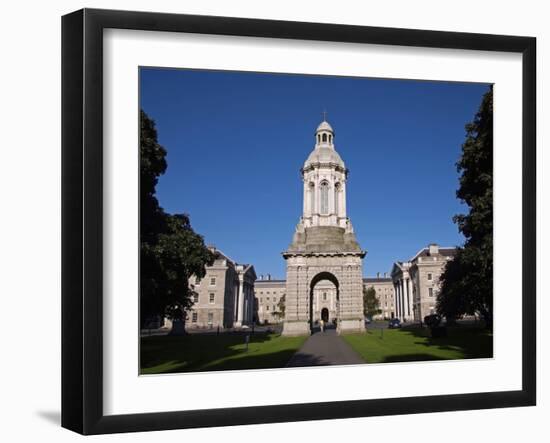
(82, 219)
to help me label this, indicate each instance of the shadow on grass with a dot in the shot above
(209, 352)
(470, 341)
(410, 357)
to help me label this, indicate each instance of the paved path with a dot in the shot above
(325, 348)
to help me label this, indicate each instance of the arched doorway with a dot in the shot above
(324, 296)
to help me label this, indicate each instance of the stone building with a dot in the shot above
(224, 297)
(384, 293)
(324, 301)
(268, 295)
(324, 246)
(416, 282)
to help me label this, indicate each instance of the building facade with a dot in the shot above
(385, 295)
(324, 247)
(268, 295)
(224, 297)
(416, 282)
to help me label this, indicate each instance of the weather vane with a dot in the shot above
(325, 115)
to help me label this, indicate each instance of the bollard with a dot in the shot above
(246, 340)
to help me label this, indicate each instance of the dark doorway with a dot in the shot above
(319, 277)
(324, 315)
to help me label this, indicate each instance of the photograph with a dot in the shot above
(292, 220)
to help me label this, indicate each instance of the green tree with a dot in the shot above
(170, 251)
(467, 281)
(371, 304)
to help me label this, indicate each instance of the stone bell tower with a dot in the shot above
(324, 246)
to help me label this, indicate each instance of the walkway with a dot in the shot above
(324, 348)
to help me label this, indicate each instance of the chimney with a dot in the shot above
(434, 249)
(378, 275)
(269, 276)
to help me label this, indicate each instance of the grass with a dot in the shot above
(198, 352)
(399, 345)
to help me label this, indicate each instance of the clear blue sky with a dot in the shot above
(236, 142)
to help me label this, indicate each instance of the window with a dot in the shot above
(212, 298)
(195, 298)
(210, 318)
(324, 137)
(212, 281)
(431, 292)
(274, 307)
(267, 298)
(267, 307)
(430, 276)
(197, 280)
(324, 198)
(324, 296)
(194, 317)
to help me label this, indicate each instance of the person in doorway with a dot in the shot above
(322, 323)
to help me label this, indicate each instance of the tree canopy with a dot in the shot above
(371, 303)
(467, 281)
(170, 251)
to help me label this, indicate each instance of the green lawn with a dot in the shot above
(194, 352)
(397, 345)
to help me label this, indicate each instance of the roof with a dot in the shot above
(377, 280)
(269, 281)
(445, 252)
(220, 255)
(324, 154)
(324, 126)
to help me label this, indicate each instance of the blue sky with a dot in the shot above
(236, 142)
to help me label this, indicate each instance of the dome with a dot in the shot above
(324, 155)
(324, 126)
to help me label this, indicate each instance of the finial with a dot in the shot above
(324, 115)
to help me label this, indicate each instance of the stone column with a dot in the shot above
(351, 318)
(410, 297)
(395, 298)
(240, 307)
(296, 321)
(401, 306)
(331, 197)
(235, 302)
(306, 199)
(397, 301)
(343, 199)
(246, 312)
(405, 299)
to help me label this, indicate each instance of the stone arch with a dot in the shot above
(320, 276)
